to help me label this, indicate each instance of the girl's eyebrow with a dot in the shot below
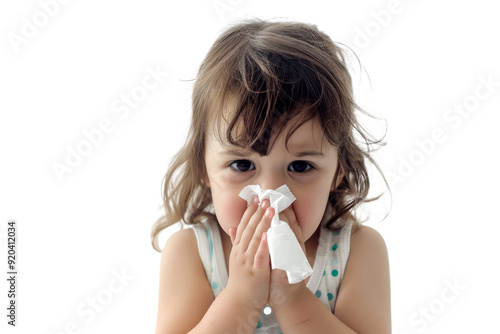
(309, 153)
(229, 150)
(236, 151)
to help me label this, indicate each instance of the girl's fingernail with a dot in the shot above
(256, 199)
(269, 212)
(264, 204)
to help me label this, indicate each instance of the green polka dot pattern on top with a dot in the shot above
(336, 252)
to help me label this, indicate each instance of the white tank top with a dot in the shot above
(329, 266)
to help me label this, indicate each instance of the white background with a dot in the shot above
(77, 232)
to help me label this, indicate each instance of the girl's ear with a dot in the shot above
(340, 176)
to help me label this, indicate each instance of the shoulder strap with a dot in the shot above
(202, 238)
(344, 245)
(212, 255)
(338, 246)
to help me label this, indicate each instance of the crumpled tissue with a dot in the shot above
(284, 248)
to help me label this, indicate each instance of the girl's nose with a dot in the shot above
(271, 181)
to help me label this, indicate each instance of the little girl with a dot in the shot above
(272, 105)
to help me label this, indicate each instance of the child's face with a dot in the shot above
(307, 169)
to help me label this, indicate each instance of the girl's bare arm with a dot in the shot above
(184, 293)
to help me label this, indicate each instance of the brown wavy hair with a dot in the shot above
(260, 76)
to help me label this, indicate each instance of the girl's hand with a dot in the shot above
(249, 264)
(281, 292)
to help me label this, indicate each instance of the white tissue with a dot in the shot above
(284, 248)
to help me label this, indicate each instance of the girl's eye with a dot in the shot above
(299, 166)
(242, 165)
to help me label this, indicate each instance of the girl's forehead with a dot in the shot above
(304, 136)
(309, 136)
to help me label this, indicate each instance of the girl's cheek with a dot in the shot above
(309, 212)
(229, 209)
(236, 212)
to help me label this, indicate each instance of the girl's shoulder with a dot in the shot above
(367, 237)
(183, 244)
(180, 254)
(368, 250)
(365, 289)
(184, 290)
(184, 239)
